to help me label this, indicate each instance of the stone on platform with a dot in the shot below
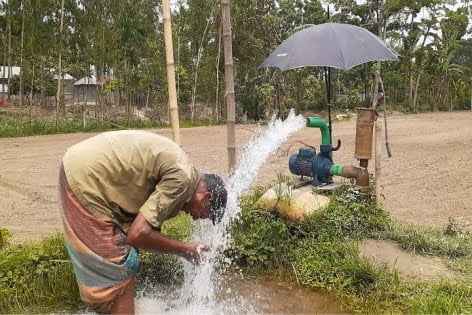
(293, 203)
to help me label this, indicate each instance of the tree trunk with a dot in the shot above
(197, 65)
(218, 58)
(417, 86)
(9, 51)
(147, 97)
(5, 54)
(59, 65)
(21, 52)
(229, 82)
(178, 66)
(410, 68)
(173, 109)
(451, 96)
(410, 85)
(31, 96)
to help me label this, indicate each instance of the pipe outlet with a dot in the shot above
(360, 174)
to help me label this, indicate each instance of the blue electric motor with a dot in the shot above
(308, 163)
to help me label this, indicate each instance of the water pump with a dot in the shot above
(320, 167)
(308, 163)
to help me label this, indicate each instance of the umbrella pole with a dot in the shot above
(328, 94)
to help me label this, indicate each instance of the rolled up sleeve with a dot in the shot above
(167, 200)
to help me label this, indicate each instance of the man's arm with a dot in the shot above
(142, 235)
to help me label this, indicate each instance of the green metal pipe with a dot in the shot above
(360, 174)
(318, 122)
(336, 170)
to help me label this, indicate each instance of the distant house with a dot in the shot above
(4, 73)
(67, 85)
(68, 80)
(85, 89)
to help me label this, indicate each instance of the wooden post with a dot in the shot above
(229, 83)
(378, 138)
(173, 109)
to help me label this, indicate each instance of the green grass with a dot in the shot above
(322, 253)
(38, 277)
(22, 127)
(448, 241)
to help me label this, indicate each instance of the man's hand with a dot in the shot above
(142, 235)
(195, 252)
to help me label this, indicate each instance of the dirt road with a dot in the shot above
(428, 180)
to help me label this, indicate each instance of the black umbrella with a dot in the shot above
(333, 45)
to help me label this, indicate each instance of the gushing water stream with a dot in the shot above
(198, 294)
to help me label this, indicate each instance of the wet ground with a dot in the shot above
(407, 264)
(261, 295)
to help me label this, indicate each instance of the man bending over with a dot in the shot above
(117, 189)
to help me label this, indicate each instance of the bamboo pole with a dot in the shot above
(173, 109)
(59, 66)
(229, 83)
(377, 125)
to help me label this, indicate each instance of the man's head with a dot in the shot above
(209, 199)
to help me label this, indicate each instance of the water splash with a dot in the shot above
(198, 294)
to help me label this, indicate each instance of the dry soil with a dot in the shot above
(428, 180)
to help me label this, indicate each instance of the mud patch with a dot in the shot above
(249, 295)
(268, 296)
(408, 265)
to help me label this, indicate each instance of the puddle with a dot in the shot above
(255, 295)
(408, 265)
(267, 296)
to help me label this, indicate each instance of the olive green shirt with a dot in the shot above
(118, 174)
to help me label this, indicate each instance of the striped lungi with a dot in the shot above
(104, 264)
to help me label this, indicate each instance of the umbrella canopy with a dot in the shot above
(334, 45)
